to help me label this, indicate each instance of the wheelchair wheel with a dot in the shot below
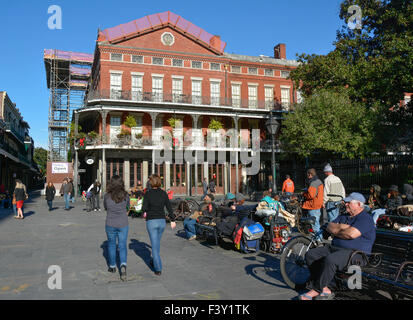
(293, 266)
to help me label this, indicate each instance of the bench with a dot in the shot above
(207, 230)
(390, 266)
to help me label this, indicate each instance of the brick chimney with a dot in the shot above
(215, 42)
(280, 51)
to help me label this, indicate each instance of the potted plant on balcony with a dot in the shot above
(91, 138)
(80, 140)
(124, 137)
(214, 126)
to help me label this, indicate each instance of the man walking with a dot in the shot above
(67, 191)
(314, 198)
(204, 188)
(332, 185)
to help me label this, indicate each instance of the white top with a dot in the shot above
(333, 185)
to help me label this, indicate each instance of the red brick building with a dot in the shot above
(160, 67)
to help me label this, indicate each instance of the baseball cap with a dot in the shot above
(328, 168)
(355, 196)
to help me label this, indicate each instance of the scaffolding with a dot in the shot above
(67, 75)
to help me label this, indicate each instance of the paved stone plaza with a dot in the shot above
(76, 241)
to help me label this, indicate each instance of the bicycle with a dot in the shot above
(292, 262)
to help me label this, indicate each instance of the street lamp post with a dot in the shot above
(272, 126)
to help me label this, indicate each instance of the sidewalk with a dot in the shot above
(76, 242)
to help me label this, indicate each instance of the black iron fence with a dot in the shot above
(357, 175)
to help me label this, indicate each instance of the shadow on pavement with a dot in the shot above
(271, 266)
(142, 250)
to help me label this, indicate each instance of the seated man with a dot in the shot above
(352, 231)
(206, 213)
(393, 201)
(241, 210)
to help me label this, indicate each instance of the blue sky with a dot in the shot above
(248, 27)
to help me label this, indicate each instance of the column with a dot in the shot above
(75, 169)
(104, 114)
(167, 175)
(188, 179)
(145, 174)
(153, 118)
(126, 174)
(103, 171)
(196, 136)
(196, 174)
(236, 158)
(225, 177)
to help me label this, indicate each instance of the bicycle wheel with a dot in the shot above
(293, 267)
(192, 205)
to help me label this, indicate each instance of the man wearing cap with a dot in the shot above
(354, 230)
(332, 185)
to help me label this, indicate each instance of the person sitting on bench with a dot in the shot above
(352, 231)
(206, 213)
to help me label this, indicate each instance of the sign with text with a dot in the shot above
(59, 167)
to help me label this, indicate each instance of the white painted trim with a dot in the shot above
(177, 77)
(197, 78)
(115, 71)
(215, 80)
(133, 73)
(157, 75)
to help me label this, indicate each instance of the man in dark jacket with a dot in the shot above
(393, 199)
(67, 191)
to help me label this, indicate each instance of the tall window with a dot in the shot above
(157, 89)
(215, 93)
(177, 90)
(285, 98)
(137, 87)
(252, 97)
(269, 98)
(115, 85)
(236, 95)
(196, 91)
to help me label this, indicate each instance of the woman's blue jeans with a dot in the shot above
(316, 214)
(155, 229)
(121, 235)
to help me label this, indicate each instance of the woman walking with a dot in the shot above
(117, 226)
(154, 202)
(50, 193)
(21, 195)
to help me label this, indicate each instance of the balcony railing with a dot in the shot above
(139, 96)
(131, 142)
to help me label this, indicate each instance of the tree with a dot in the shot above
(329, 122)
(374, 63)
(40, 157)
